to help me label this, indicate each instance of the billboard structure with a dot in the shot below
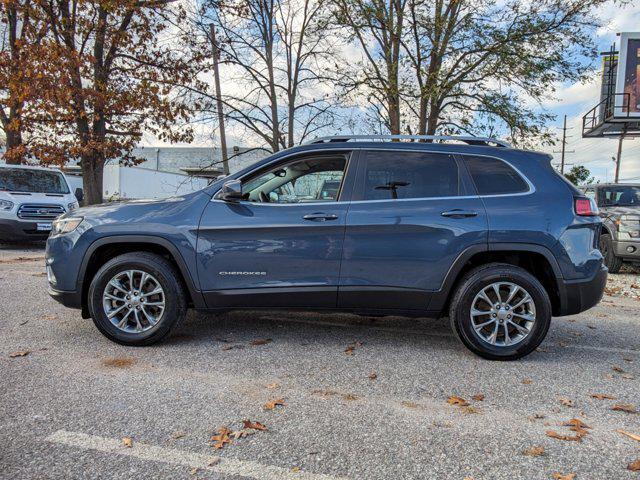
(628, 75)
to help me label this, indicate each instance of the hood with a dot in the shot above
(41, 198)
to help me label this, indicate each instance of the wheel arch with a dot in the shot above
(105, 248)
(535, 259)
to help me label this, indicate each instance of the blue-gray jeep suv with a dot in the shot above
(469, 227)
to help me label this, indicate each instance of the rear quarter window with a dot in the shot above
(494, 177)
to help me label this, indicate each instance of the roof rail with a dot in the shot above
(483, 141)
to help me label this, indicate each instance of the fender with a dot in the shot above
(196, 295)
(441, 296)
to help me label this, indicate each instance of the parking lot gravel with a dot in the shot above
(326, 396)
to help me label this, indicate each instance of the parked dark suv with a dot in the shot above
(468, 227)
(619, 206)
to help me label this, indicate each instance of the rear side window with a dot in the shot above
(396, 175)
(494, 177)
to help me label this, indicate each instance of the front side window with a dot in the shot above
(619, 195)
(494, 177)
(401, 175)
(312, 179)
(32, 181)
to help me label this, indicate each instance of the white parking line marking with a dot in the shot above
(143, 451)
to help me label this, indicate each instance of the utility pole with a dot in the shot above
(216, 77)
(619, 155)
(564, 151)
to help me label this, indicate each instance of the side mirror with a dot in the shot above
(79, 193)
(231, 191)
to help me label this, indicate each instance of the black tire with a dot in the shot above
(613, 263)
(467, 289)
(170, 281)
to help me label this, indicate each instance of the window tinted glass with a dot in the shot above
(391, 175)
(494, 177)
(311, 179)
(33, 181)
(619, 195)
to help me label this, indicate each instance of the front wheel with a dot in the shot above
(500, 312)
(137, 298)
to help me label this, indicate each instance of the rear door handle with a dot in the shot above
(457, 213)
(320, 217)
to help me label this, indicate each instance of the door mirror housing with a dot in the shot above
(231, 191)
(79, 193)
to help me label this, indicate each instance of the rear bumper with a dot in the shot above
(576, 297)
(66, 298)
(628, 250)
(12, 230)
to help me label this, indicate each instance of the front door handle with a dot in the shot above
(457, 213)
(320, 217)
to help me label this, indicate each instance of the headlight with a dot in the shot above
(65, 225)
(6, 205)
(630, 225)
(72, 206)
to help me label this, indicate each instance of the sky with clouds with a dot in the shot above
(573, 100)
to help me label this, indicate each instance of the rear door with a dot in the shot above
(412, 214)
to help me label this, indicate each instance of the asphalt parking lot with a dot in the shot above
(352, 397)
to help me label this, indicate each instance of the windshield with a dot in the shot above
(32, 181)
(620, 195)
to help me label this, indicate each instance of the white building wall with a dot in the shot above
(135, 182)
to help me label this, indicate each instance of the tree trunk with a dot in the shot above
(92, 174)
(14, 143)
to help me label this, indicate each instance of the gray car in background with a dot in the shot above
(619, 206)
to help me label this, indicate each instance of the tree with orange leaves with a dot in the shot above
(109, 69)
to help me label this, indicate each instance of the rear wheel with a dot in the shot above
(613, 262)
(500, 312)
(137, 298)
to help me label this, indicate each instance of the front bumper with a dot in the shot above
(13, 230)
(66, 298)
(578, 296)
(621, 249)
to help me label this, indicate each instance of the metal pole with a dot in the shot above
(619, 156)
(216, 76)
(564, 144)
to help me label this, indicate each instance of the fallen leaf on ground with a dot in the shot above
(618, 370)
(602, 396)
(560, 476)
(270, 405)
(626, 376)
(373, 376)
(455, 400)
(629, 434)
(243, 433)
(627, 359)
(527, 381)
(409, 404)
(21, 353)
(351, 347)
(295, 469)
(534, 451)
(118, 362)
(49, 317)
(253, 425)
(177, 435)
(261, 341)
(193, 471)
(478, 398)
(568, 438)
(127, 442)
(567, 402)
(624, 407)
(576, 423)
(470, 409)
(592, 327)
(221, 438)
(272, 386)
(231, 347)
(634, 466)
(331, 393)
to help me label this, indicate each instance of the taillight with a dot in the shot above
(585, 207)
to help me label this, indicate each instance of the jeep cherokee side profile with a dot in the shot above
(466, 227)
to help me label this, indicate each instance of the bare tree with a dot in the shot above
(272, 53)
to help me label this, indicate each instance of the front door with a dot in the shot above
(412, 215)
(282, 244)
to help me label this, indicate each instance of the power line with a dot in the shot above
(564, 145)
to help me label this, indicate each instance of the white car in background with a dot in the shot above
(30, 199)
